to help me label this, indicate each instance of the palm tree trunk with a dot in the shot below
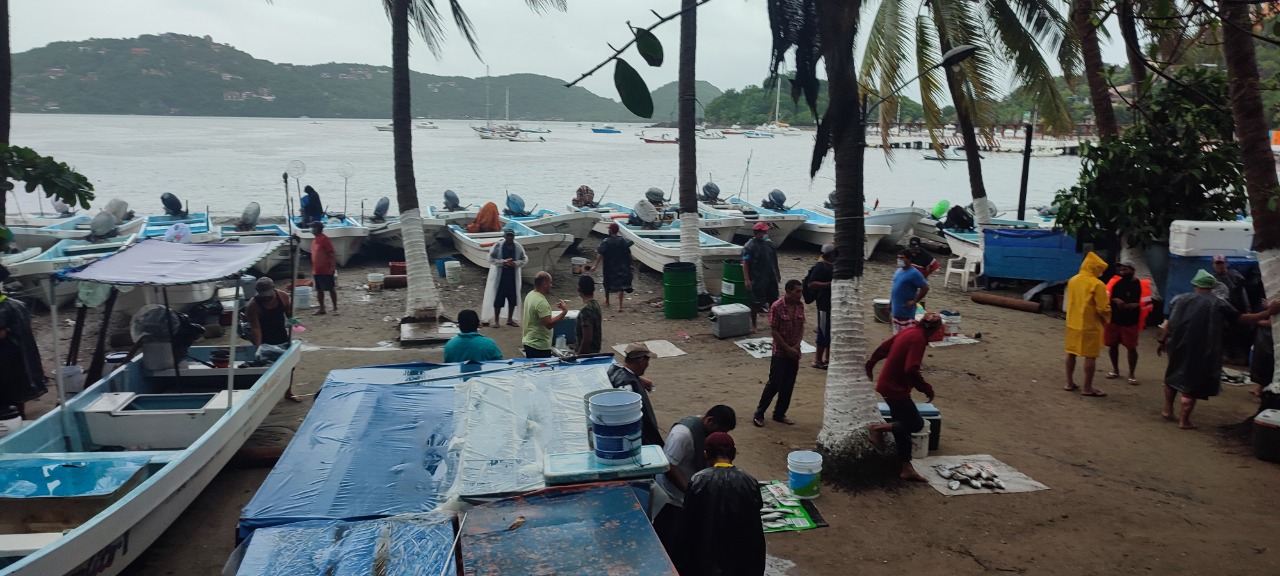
(6, 74)
(1133, 47)
(423, 301)
(688, 169)
(965, 116)
(849, 402)
(1104, 115)
(1251, 131)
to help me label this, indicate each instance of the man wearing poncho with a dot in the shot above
(1088, 312)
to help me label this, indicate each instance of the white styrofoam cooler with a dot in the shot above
(1206, 238)
(731, 320)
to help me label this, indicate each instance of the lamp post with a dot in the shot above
(950, 58)
(1030, 126)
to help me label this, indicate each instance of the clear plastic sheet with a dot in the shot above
(407, 545)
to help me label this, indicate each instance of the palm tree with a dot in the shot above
(1104, 114)
(688, 154)
(423, 301)
(1014, 31)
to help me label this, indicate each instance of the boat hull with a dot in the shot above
(781, 224)
(576, 224)
(263, 233)
(899, 220)
(387, 235)
(346, 239)
(72, 229)
(111, 540)
(720, 227)
(543, 250)
(657, 248)
(32, 272)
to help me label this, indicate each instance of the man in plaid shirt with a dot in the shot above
(786, 320)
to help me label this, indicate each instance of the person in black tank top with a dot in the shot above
(268, 314)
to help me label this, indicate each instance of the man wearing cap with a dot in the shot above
(268, 313)
(615, 252)
(903, 354)
(760, 270)
(685, 450)
(506, 258)
(819, 277)
(324, 263)
(1231, 287)
(920, 259)
(538, 321)
(629, 375)
(1193, 337)
(1088, 312)
(587, 328)
(786, 322)
(722, 532)
(1130, 303)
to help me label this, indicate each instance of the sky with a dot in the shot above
(733, 35)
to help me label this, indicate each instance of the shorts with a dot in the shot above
(536, 353)
(323, 282)
(1124, 335)
(506, 295)
(900, 323)
(823, 333)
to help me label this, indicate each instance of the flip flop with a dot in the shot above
(512, 323)
(1094, 394)
(1133, 381)
(1112, 375)
(785, 420)
(759, 422)
(1071, 388)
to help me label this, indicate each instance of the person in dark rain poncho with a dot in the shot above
(722, 531)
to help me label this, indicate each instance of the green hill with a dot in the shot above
(174, 74)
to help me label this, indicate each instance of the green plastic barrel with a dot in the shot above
(734, 288)
(680, 290)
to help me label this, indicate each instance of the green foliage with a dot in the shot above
(1180, 162)
(18, 164)
(649, 47)
(753, 105)
(174, 74)
(632, 89)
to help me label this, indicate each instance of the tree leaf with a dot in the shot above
(632, 89)
(649, 47)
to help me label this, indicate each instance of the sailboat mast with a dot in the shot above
(508, 106)
(486, 97)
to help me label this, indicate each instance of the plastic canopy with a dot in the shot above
(409, 545)
(159, 263)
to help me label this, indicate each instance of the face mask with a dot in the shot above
(902, 263)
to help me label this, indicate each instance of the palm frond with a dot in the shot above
(1020, 47)
(794, 23)
(931, 82)
(957, 25)
(890, 39)
(543, 6)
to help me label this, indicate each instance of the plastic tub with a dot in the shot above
(302, 297)
(920, 442)
(579, 264)
(440, 264)
(453, 271)
(882, 312)
(376, 277)
(804, 476)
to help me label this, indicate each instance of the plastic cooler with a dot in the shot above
(731, 320)
(1266, 435)
(567, 327)
(1208, 238)
(929, 412)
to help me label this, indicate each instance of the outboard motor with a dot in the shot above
(585, 197)
(119, 209)
(172, 205)
(312, 210)
(451, 203)
(102, 226)
(776, 200)
(958, 219)
(830, 204)
(380, 210)
(61, 208)
(515, 206)
(710, 193)
(249, 218)
(645, 216)
(655, 197)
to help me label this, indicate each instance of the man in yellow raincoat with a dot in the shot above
(1088, 312)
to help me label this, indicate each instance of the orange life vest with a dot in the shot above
(1145, 301)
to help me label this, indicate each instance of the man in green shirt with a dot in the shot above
(538, 321)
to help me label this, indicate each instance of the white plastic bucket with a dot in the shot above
(880, 306)
(72, 379)
(920, 442)
(376, 277)
(804, 476)
(453, 271)
(579, 264)
(615, 426)
(302, 297)
(10, 421)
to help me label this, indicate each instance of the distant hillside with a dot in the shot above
(174, 74)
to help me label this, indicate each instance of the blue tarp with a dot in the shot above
(60, 478)
(409, 545)
(588, 529)
(1029, 254)
(1183, 268)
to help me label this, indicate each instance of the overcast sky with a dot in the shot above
(733, 38)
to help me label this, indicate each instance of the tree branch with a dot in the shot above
(619, 51)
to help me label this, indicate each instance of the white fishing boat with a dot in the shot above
(346, 234)
(520, 137)
(259, 234)
(543, 250)
(384, 127)
(717, 225)
(576, 224)
(819, 228)
(657, 248)
(426, 125)
(900, 221)
(66, 253)
(198, 223)
(20, 256)
(757, 134)
(460, 216)
(782, 223)
(94, 482)
(74, 228)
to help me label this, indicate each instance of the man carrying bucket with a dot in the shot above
(903, 353)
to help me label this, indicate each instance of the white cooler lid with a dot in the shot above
(729, 309)
(1268, 418)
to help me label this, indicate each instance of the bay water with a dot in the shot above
(225, 163)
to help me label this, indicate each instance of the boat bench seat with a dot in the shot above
(157, 456)
(19, 545)
(498, 234)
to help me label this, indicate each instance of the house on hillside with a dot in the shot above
(139, 51)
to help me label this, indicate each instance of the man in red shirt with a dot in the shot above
(323, 265)
(901, 374)
(786, 321)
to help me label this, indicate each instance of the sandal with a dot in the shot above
(1071, 388)
(1112, 375)
(785, 420)
(512, 323)
(1133, 381)
(1094, 394)
(759, 422)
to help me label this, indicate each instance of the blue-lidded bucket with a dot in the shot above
(615, 426)
(440, 264)
(804, 468)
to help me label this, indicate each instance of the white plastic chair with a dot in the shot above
(966, 267)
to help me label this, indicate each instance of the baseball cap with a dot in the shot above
(1126, 264)
(913, 241)
(828, 248)
(264, 285)
(509, 231)
(761, 226)
(1219, 258)
(718, 440)
(637, 349)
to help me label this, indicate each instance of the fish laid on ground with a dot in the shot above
(772, 516)
(954, 484)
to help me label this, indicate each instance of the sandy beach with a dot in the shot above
(1128, 491)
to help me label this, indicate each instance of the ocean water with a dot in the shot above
(225, 163)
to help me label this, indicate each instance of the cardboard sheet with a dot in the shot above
(1014, 481)
(763, 347)
(954, 340)
(662, 348)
